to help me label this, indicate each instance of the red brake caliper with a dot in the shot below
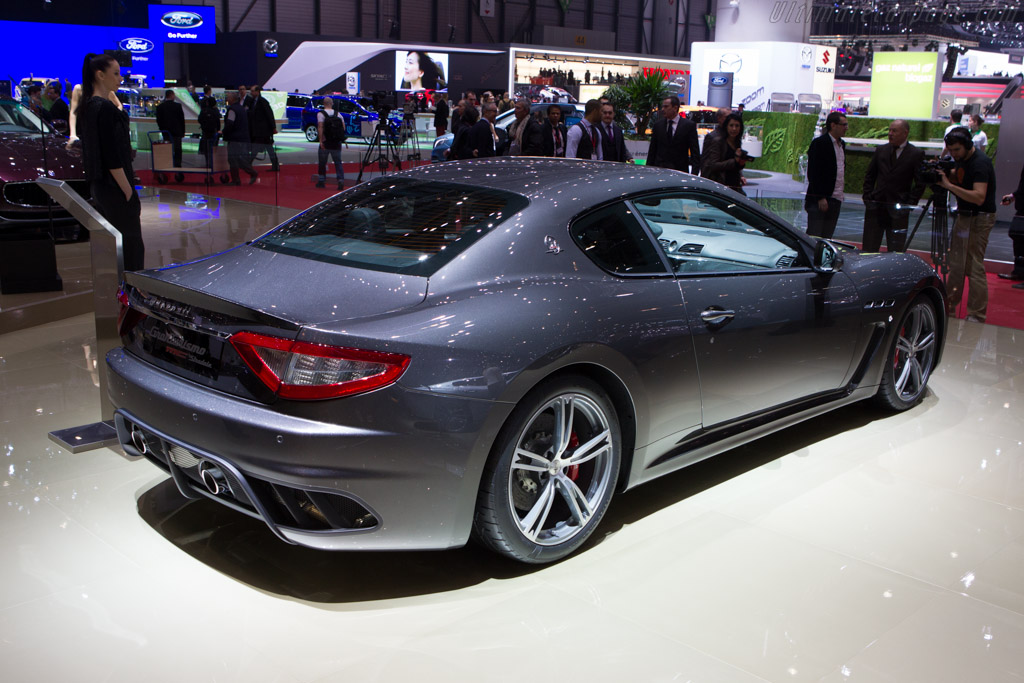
(896, 356)
(573, 471)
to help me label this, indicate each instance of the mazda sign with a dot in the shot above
(730, 62)
(181, 20)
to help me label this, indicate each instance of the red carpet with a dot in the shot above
(293, 187)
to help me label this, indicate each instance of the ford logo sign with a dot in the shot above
(719, 80)
(137, 45)
(181, 20)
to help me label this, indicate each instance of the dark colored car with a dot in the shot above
(571, 115)
(34, 148)
(351, 109)
(493, 348)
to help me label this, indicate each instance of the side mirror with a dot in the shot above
(827, 258)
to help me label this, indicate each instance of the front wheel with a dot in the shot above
(312, 134)
(552, 472)
(911, 358)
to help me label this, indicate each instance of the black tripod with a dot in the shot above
(382, 144)
(940, 230)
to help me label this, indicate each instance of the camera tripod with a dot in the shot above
(940, 230)
(382, 144)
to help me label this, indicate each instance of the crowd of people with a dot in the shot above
(893, 186)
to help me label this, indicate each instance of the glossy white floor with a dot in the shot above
(855, 547)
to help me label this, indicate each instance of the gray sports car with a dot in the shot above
(492, 348)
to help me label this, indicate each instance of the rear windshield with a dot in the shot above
(396, 225)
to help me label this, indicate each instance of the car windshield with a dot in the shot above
(396, 225)
(14, 117)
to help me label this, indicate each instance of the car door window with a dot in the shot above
(616, 241)
(703, 234)
(345, 107)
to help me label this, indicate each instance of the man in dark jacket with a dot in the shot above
(674, 140)
(553, 133)
(59, 112)
(262, 127)
(888, 193)
(236, 133)
(481, 135)
(614, 140)
(524, 136)
(170, 118)
(441, 114)
(1016, 233)
(826, 170)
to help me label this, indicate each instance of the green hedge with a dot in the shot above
(784, 138)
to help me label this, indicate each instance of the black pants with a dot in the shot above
(126, 216)
(206, 147)
(265, 145)
(822, 223)
(238, 158)
(880, 219)
(175, 149)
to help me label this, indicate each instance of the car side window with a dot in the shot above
(345, 107)
(709, 234)
(616, 241)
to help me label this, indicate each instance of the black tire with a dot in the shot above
(179, 177)
(911, 358)
(312, 133)
(161, 178)
(542, 507)
(225, 178)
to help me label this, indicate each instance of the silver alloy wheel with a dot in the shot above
(312, 133)
(915, 352)
(561, 469)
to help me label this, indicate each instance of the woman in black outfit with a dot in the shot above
(725, 160)
(107, 153)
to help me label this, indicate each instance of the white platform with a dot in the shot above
(856, 547)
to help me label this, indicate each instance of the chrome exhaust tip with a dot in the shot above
(212, 477)
(138, 440)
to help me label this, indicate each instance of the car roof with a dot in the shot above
(570, 182)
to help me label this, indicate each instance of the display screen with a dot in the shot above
(416, 70)
(903, 84)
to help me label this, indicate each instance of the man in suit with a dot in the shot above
(887, 193)
(481, 135)
(585, 140)
(245, 98)
(674, 140)
(262, 127)
(170, 117)
(524, 136)
(553, 133)
(826, 169)
(614, 141)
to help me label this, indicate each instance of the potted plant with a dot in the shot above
(638, 100)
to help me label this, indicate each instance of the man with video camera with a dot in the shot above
(975, 190)
(891, 188)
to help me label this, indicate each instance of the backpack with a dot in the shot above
(334, 129)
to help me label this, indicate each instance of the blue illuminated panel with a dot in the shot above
(183, 23)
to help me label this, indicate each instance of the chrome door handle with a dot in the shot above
(716, 316)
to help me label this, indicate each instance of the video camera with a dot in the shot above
(383, 102)
(928, 171)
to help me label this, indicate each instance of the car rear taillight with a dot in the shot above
(306, 371)
(127, 317)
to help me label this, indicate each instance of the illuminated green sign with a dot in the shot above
(903, 84)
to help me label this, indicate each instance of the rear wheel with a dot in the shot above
(552, 472)
(911, 358)
(312, 134)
